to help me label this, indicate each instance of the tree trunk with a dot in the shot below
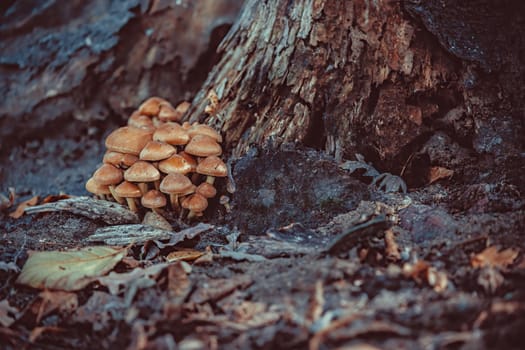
(364, 76)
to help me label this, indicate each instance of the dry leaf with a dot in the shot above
(316, 305)
(437, 173)
(8, 314)
(493, 257)
(114, 281)
(22, 207)
(51, 301)
(69, 270)
(490, 279)
(391, 247)
(422, 272)
(184, 254)
(156, 220)
(55, 198)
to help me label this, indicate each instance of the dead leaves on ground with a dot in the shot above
(69, 270)
(493, 256)
(20, 210)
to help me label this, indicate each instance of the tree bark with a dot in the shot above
(365, 76)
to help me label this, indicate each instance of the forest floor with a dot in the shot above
(309, 255)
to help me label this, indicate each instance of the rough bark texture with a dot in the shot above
(365, 76)
(80, 63)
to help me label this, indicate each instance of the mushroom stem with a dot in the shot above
(132, 205)
(143, 187)
(195, 177)
(210, 179)
(191, 215)
(157, 184)
(119, 199)
(174, 200)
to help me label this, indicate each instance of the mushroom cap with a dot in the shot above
(128, 139)
(155, 150)
(203, 146)
(206, 190)
(128, 190)
(107, 175)
(153, 199)
(93, 187)
(171, 133)
(175, 164)
(120, 160)
(186, 125)
(195, 203)
(142, 171)
(151, 107)
(203, 129)
(141, 121)
(190, 159)
(175, 184)
(212, 166)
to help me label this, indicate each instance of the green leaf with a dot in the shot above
(69, 270)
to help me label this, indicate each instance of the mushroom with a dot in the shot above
(196, 204)
(154, 200)
(155, 150)
(212, 167)
(175, 164)
(151, 107)
(142, 172)
(171, 133)
(140, 121)
(109, 175)
(97, 189)
(120, 160)
(203, 146)
(175, 185)
(128, 139)
(169, 114)
(225, 201)
(129, 191)
(206, 190)
(203, 129)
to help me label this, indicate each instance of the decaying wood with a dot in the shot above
(365, 76)
(109, 212)
(139, 233)
(128, 234)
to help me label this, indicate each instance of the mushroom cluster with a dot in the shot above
(156, 162)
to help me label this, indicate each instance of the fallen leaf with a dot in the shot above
(51, 301)
(184, 254)
(8, 314)
(22, 207)
(316, 304)
(422, 272)
(494, 257)
(490, 279)
(437, 173)
(55, 198)
(216, 289)
(38, 331)
(154, 219)
(69, 270)
(114, 281)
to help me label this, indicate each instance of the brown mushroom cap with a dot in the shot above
(120, 160)
(192, 161)
(128, 140)
(203, 129)
(169, 114)
(171, 133)
(128, 190)
(212, 166)
(107, 175)
(140, 121)
(203, 146)
(195, 203)
(142, 172)
(155, 150)
(175, 184)
(206, 190)
(151, 107)
(153, 199)
(93, 187)
(175, 164)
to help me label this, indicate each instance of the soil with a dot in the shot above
(277, 285)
